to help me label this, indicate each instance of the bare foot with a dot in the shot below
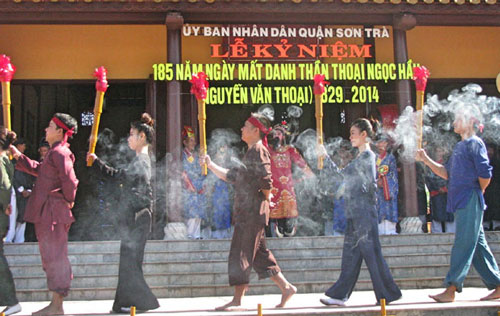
(231, 306)
(49, 310)
(287, 294)
(493, 295)
(445, 297)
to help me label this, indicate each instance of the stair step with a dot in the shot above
(281, 252)
(223, 245)
(256, 288)
(188, 268)
(221, 265)
(221, 278)
(298, 254)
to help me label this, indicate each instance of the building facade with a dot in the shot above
(56, 44)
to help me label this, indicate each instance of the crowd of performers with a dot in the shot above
(208, 202)
(362, 182)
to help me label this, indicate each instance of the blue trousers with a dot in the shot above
(361, 241)
(470, 246)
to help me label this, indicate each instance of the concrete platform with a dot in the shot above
(413, 303)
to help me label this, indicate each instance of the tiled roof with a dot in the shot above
(414, 2)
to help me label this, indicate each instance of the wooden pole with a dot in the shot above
(101, 86)
(420, 117)
(99, 99)
(6, 104)
(319, 125)
(202, 118)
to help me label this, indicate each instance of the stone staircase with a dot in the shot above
(182, 268)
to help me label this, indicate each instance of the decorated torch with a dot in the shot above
(7, 71)
(420, 75)
(199, 86)
(101, 86)
(319, 89)
(383, 170)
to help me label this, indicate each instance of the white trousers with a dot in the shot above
(11, 234)
(194, 228)
(436, 227)
(387, 228)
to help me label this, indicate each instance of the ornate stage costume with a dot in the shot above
(387, 193)
(438, 189)
(221, 204)
(285, 202)
(194, 196)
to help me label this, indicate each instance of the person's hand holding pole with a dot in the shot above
(101, 86)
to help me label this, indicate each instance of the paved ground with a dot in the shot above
(414, 302)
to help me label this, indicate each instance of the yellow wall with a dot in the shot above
(197, 48)
(384, 52)
(73, 51)
(451, 52)
(457, 52)
(128, 51)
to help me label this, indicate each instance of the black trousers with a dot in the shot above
(7, 287)
(361, 241)
(132, 288)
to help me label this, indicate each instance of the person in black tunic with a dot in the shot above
(361, 239)
(135, 219)
(23, 184)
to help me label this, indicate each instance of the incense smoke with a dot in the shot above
(439, 115)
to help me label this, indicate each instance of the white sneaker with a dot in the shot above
(9, 310)
(125, 309)
(331, 301)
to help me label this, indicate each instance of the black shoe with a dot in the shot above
(121, 310)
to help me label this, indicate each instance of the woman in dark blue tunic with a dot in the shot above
(361, 239)
(135, 219)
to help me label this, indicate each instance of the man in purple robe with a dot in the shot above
(49, 206)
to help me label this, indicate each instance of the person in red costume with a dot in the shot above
(284, 213)
(50, 204)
